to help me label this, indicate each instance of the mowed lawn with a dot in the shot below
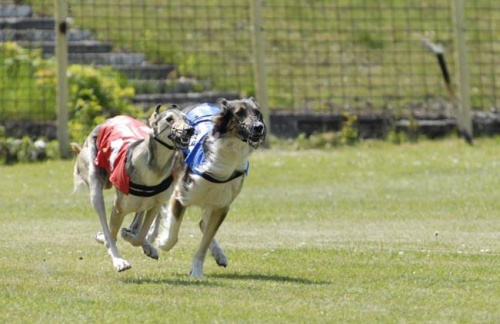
(371, 233)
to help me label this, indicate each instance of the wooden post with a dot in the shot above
(61, 51)
(463, 102)
(259, 64)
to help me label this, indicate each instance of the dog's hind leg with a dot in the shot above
(137, 222)
(139, 237)
(172, 219)
(212, 224)
(215, 249)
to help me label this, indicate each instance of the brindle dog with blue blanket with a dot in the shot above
(215, 165)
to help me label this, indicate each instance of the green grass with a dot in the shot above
(371, 233)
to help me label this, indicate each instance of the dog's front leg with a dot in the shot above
(153, 231)
(115, 222)
(212, 224)
(97, 200)
(172, 219)
(215, 249)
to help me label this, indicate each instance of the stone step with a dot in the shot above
(148, 100)
(86, 46)
(182, 85)
(35, 35)
(12, 10)
(27, 23)
(112, 58)
(146, 71)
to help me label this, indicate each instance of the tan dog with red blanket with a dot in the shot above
(136, 160)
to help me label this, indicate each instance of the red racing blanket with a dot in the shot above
(113, 141)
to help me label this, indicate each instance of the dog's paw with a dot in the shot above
(197, 269)
(196, 275)
(127, 235)
(220, 258)
(121, 265)
(150, 251)
(99, 237)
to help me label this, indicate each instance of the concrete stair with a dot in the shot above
(152, 81)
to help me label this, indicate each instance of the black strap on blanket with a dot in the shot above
(149, 191)
(170, 147)
(208, 177)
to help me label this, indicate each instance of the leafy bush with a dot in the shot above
(94, 96)
(31, 78)
(348, 135)
(14, 150)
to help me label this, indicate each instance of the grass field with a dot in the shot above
(371, 233)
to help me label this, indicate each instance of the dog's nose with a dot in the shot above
(259, 128)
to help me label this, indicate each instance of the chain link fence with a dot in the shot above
(321, 55)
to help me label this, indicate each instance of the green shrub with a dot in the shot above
(95, 95)
(349, 134)
(14, 150)
(30, 78)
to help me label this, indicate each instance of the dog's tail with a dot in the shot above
(78, 181)
(75, 147)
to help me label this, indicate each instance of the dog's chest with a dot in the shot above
(131, 203)
(203, 193)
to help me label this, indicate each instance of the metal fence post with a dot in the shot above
(463, 102)
(61, 51)
(259, 64)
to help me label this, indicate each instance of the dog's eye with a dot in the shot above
(257, 113)
(241, 113)
(170, 119)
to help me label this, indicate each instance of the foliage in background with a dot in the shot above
(30, 93)
(95, 95)
(348, 135)
(14, 150)
(321, 55)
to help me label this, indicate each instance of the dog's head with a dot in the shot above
(171, 127)
(243, 119)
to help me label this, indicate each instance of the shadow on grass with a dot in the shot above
(263, 277)
(184, 280)
(174, 281)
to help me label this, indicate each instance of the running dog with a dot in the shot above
(213, 171)
(136, 160)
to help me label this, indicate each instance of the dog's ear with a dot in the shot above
(255, 102)
(222, 120)
(154, 116)
(222, 102)
(173, 106)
